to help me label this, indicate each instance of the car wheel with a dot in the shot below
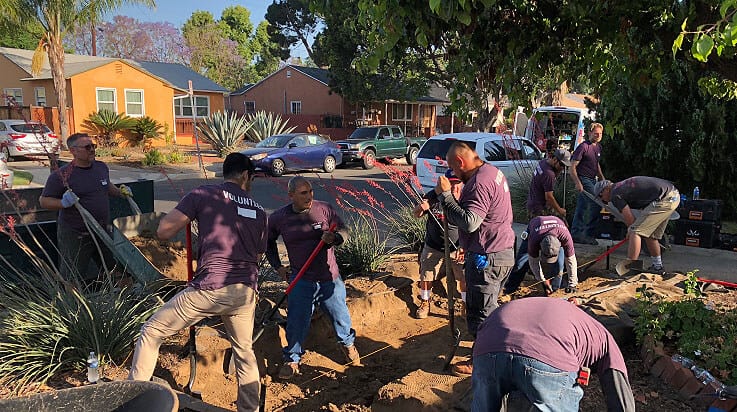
(277, 167)
(369, 159)
(411, 156)
(328, 165)
(6, 152)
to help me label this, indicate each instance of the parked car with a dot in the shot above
(513, 155)
(565, 126)
(295, 151)
(22, 138)
(368, 143)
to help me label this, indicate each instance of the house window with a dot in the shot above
(134, 103)
(40, 93)
(183, 106)
(106, 100)
(296, 107)
(250, 107)
(401, 111)
(16, 94)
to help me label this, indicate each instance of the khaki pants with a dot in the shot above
(654, 218)
(432, 265)
(236, 306)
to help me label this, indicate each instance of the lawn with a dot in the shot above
(21, 177)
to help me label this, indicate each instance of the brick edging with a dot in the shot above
(681, 379)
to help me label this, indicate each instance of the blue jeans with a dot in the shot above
(521, 266)
(586, 216)
(330, 296)
(547, 388)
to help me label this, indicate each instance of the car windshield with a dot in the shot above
(363, 133)
(275, 141)
(437, 148)
(30, 128)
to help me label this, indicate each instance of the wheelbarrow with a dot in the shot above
(119, 396)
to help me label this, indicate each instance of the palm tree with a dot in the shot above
(57, 17)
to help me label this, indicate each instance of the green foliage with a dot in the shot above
(146, 129)
(106, 124)
(265, 124)
(51, 324)
(407, 229)
(225, 131)
(153, 158)
(364, 251)
(521, 188)
(698, 330)
(291, 22)
(692, 284)
(176, 157)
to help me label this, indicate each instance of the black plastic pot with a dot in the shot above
(119, 396)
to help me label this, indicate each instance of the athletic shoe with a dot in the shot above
(351, 355)
(423, 310)
(657, 270)
(288, 370)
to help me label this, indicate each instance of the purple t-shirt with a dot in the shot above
(301, 232)
(91, 184)
(587, 154)
(543, 180)
(542, 226)
(551, 330)
(487, 194)
(232, 233)
(639, 191)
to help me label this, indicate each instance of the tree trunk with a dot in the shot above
(56, 63)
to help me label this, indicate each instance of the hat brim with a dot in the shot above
(566, 163)
(548, 260)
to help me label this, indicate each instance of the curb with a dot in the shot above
(681, 379)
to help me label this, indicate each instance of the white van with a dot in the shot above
(558, 123)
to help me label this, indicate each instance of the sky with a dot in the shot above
(177, 12)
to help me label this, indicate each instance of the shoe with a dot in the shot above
(657, 270)
(289, 370)
(423, 310)
(585, 240)
(463, 368)
(351, 355)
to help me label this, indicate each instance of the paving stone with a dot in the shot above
(670, 369)
(691, 388)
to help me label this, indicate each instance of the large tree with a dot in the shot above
(292, 22)
(57, 18)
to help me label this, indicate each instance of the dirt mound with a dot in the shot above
(170, 258)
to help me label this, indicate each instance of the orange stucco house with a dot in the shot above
(137, 89)
(302, 95)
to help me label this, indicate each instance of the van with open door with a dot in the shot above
(564, 127)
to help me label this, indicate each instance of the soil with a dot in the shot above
(169, 257)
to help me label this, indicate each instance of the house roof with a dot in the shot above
(174, 74)
(321, 75)
(243, 89)
(179, 75)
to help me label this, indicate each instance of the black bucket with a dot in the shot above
(118, 396)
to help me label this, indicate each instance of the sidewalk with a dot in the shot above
(714, 264)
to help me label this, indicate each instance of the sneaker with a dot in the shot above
(423, 310)
(463, 368)
(289, 370)
(657, 270)
(351, 355)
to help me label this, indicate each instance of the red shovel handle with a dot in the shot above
(307, 264)
(718, 282)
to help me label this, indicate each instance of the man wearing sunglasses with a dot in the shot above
(87, 181)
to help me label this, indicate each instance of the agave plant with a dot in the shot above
(145, 130)
(224, 131)
(105, 124)
(265, 124)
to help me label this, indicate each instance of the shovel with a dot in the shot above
(627, 268)
(192, 344)
(450, 279)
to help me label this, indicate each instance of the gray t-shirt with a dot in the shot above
(551, 330)
(301, 232)
(232, 233)
(486, 194)
(90, 184)
(639, 191)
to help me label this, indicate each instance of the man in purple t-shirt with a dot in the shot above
(585, 169)
(301, 225)
(540, 347)
(232, 238)
(656, 198)
(87, 181)
(483, 215)
(540, 199)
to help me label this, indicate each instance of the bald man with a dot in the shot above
(483, 214)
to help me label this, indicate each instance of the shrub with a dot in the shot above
(105, 124)
(145, 130)
(407, 229)
(518, 192)
(364, 251)
(154, 157)
(175, 156)
(224, 131)
(265, 124)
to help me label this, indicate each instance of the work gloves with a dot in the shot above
(69, 199)
(125, 191)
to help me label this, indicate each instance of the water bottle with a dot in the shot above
(696, 193)
(684, 361)
(93, 370)
(702, 375)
